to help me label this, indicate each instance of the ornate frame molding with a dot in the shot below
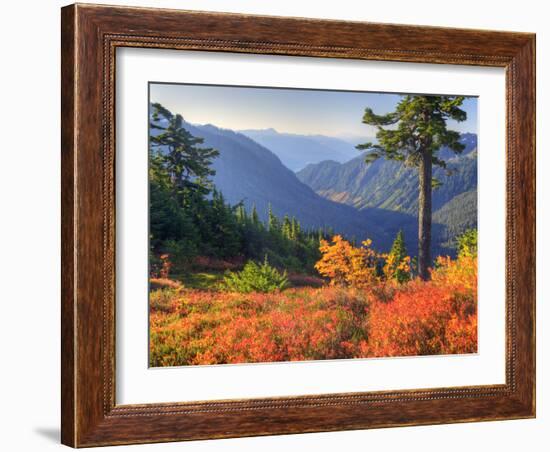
(90, 36)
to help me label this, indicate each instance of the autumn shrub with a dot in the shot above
(426, 318)
(256, 278)
(230, 327)
(423, 319)
(160, 266)
(466, 243)
(348, 265)
(384, 292)
(382, 319)
(163, 300)
(461, 272)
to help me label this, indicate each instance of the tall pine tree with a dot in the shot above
(413, 134)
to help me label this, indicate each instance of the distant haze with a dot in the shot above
(295, 111)
(297, 151)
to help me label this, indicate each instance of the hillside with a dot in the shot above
(248, 172)
(388, 184)
(459, 214)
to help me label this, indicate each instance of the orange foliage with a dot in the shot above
(427, 318)
(395, 270)
(164, 271)
(201, 327)
(461, 272)
(347, 265)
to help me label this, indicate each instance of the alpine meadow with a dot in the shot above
(297, 225)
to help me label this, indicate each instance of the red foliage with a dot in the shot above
(297, 324)
(428, 318)
(423, 319)
(191, 326)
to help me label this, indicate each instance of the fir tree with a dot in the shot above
(241, 214)
(398, 262)
(254, 216)
(220, 228)
(179, 154)
(287, 228)
(413, 134)
(295, 229)
(272, 220)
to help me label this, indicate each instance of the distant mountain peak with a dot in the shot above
(296, 151)
(266, 131)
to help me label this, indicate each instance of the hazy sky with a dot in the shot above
(333, 113)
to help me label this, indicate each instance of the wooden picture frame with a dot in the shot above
(90, 36)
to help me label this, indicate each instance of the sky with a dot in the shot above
(299, 111)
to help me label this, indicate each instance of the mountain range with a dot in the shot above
(297, 151)
(350, 197)
(389, 185)
(250, 173)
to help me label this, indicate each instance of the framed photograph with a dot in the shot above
(281, 225)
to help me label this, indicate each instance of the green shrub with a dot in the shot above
(467, 243)
(256, 278)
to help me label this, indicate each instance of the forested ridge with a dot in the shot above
(190, 217)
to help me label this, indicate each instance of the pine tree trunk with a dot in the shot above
(424, 215)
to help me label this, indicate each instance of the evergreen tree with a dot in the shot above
(413, 134)
(272, 220)
(287, 228)
(254, 216)
(220, 228)
(295, 229)
(241, 214)
(398, 262)
(167, 221)
(179, 154)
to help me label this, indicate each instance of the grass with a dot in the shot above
(201, 280)
(211, 279)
